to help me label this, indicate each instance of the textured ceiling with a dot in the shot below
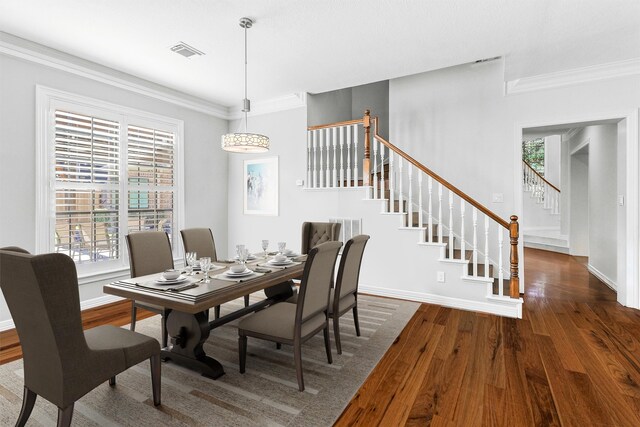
(316, 46)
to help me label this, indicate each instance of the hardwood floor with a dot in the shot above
(573, 360)
(117, 314)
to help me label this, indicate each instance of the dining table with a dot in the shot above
(187, 304)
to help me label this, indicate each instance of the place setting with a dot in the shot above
(240, 272)
(282, 259)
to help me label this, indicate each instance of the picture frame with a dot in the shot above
(261, 186)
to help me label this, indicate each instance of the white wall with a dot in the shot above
(621, 213)
(329, 107)
(206, 164)
(579, 201)
(564, 187)
(552, 159)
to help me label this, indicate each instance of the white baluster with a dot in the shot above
(391, 182)
(400, 179)
(420, 223)
(315, 159)
(382, 147)
(341, 156)
(451, 249)
(430, 186)
(355, 156)
(374, 158)
(348, 156)
(475, 241)
(500, 273)
(321, 171)
(334, 139)
(308, 159)
(486, 246)
(440, 229)
(463, 244)
(410, 175)
(328, 172)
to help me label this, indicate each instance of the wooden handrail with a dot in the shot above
(541, 177)
(441, 180)
(336, 124)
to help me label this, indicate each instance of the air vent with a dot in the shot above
(480, 61)
(185, 50)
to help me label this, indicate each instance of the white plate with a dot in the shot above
(163, 281)
(241, 274)
(291, 254)
(249, 258)
(280, 263)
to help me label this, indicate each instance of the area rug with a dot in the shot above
(266, 395)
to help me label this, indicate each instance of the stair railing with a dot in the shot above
(441, 227)
(542, 190)
(332, 162)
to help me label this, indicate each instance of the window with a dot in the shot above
(533, 154)
(108, 171)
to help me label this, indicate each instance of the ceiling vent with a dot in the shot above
(185, 50)
(481, 61)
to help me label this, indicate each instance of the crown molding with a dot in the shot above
(574, 76)
(33, 52)
(282, 103)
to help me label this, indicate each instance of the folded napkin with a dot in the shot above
(223, 276)
(157, 287)
(278, 267)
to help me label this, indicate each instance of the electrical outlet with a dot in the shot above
(498, 198)
(441, 277)
(620, 200)
(299, 182)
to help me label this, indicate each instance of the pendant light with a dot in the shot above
(245, 142)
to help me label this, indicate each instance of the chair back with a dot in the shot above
(200, 241)
(315, 233)
(317, 280)
(42, 294)
(149, 252)
(349, 269)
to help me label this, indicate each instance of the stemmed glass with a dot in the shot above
(205, 265)
(243, 254)
(281, 247)
(265, 245)
(190, 259)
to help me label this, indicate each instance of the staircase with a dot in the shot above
(543, 207)
(457, 254)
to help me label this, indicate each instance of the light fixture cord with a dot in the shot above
(245, 78)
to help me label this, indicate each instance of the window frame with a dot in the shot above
(48, 100)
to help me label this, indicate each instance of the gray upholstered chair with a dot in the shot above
(347, 285)
(314, 233)
(200, 241)
(296, 323)
(61, 362)
(149, 253)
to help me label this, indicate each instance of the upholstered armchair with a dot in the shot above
(61, 362)
(315, 233)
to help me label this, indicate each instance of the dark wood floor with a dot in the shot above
(573, 360)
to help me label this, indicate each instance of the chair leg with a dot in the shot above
(355, 320)
(112, 381)
(336, 332)
(242, 351)
(156, 370)
(65, 415)
(278, 345)
(246, 300)
(165, 332)
(217, 312)
(297, 356)
(134, 312)
(327, 343)
(28, 400)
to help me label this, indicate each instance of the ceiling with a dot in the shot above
(317, 46)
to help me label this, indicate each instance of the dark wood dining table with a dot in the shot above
(188, 323)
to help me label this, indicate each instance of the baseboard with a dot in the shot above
(503, 307)
(84, 305)
(602, 277)
(547, 247)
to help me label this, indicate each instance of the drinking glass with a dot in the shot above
(265, 245)
(205, 265)
(190, 258)
(281, 247)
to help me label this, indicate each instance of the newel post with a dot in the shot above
(514, 284)
(366, 163)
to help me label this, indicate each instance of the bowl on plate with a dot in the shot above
(237, 268)
(280, 258)
(171, 274)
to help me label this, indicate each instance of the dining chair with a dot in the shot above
(61, 362)
(149, 253)
(296, 323)
(200, 241)
(314, 233)
(347, 285)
